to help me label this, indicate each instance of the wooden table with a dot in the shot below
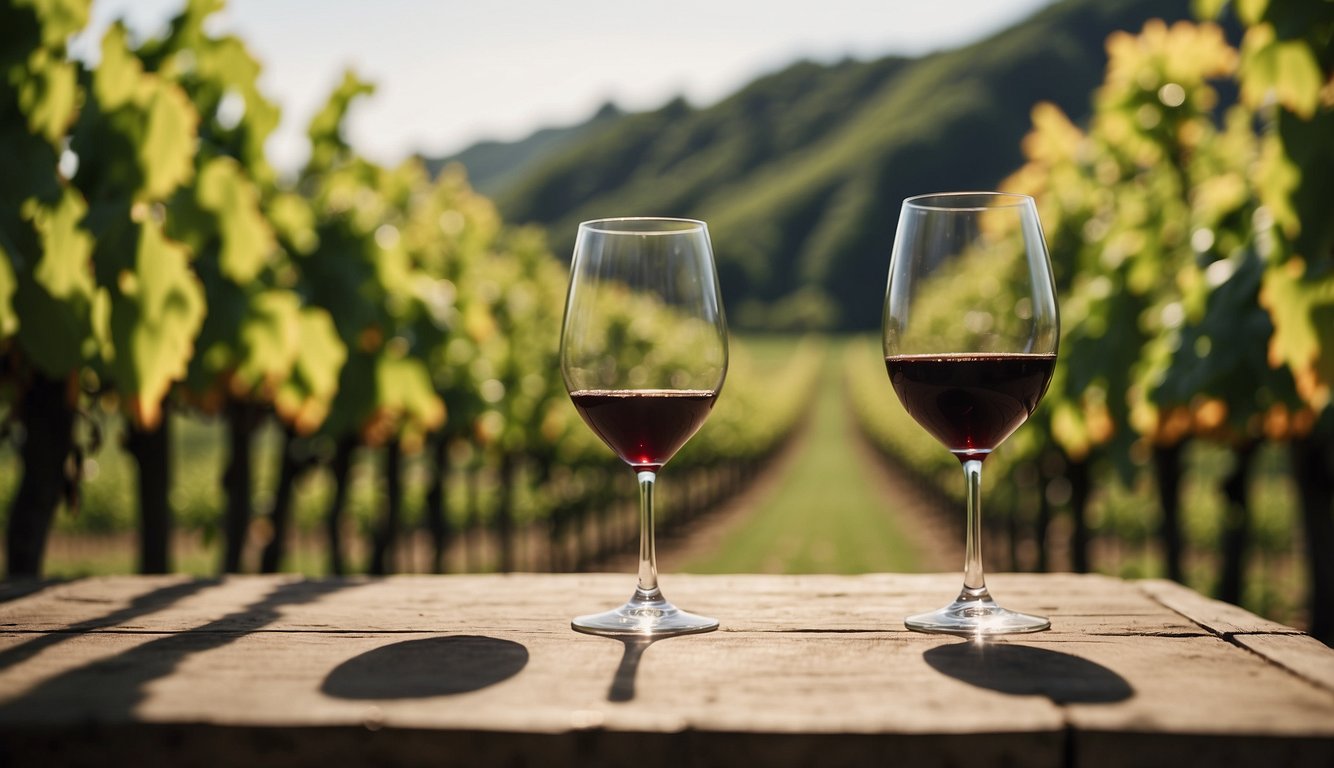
(807, 670)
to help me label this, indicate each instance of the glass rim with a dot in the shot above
(627, 225)
(937, 201)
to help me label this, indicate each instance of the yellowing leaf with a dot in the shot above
(1054, 137)
(1302, 311)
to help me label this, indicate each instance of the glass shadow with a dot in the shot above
(431, 666)
(1023, 670)
(623, 682)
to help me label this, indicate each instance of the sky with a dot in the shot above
(452, 72)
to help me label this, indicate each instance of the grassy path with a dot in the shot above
(831, 511)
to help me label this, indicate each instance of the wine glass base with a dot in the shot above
(644, 617)
(974, 617)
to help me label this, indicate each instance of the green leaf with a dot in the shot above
(9, 321)
(116, 81)
(247, 239)
(405, 390)
(303, 399)
(155, 313)
(294, 221)
(1285, 70)
(1208, 9)
(1251, 11)
(1302, 185)
(58, 20)
(1302, 310)
(270, 336)
(49, 96)
(1223, 355)
(136, 138)
(167, 148)
(57, 295)
(327, 144)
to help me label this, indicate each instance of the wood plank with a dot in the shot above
(870, 603)
(1302, 655)
(1200, 685)
(1217, 616)
(807, 670)
(548, 683)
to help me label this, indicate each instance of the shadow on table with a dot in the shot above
(1024, 670)
(623, 682)
(15, 588)
(141, 605)
(432, 666)
(113, 686)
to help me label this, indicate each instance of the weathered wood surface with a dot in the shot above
(807, 670)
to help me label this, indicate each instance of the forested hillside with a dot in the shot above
(800, 174)
(494, 166)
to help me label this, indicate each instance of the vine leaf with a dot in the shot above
(49, 96)
(9, 321)
(154, 314)
(59, 289)
(304, 398)
(1302, 310)
(247, 238)
(1285, 70)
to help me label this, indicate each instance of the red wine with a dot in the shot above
(645, 427)
(970, 402)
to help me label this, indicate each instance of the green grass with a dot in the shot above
(825, 515)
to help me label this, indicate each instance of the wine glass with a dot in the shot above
(970, 335)
(643, 350)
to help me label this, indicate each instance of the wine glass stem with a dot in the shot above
(648, 557)
(974, 582)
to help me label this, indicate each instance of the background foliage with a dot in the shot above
(355, 320)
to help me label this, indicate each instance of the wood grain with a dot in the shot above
(807, 670)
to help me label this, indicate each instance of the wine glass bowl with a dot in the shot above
(970, 333)
(644, 354)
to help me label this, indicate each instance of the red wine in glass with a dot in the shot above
(643, 351)
(970, 402)
(970, 385)
(645, 427)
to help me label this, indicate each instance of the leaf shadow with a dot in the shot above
(141, 605)
(114, 686)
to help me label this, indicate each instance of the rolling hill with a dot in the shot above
(800, 174)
